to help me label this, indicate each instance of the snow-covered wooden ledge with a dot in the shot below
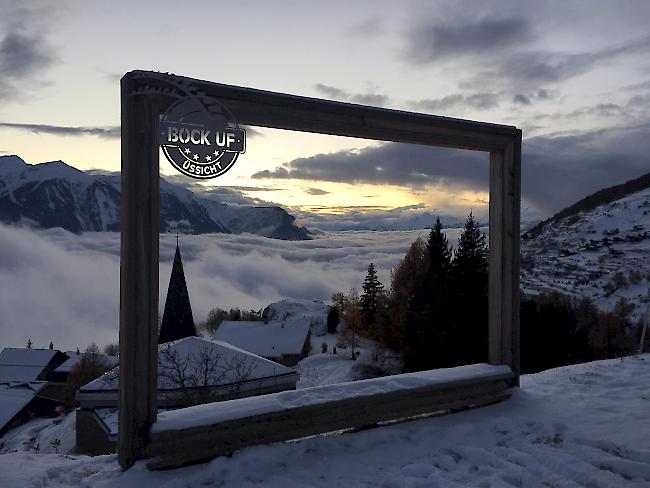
(199, 433)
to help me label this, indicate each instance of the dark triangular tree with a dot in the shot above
(439, 251)
(372, 288)
(177, 321)
(469, 275)
(437, 332)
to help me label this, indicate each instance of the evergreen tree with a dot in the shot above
(438, 329)
(177, 321)
(372, 287)
(439, 251)
(469, 282)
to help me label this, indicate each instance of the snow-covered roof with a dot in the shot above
(24, 364)
(14, 396)
(74, 358)
(269, 340)
(296, 311)
(189, 353)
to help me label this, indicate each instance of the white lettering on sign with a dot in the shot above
(184, 135)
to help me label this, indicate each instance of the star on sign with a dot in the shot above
(187, 150)
(196, 157)
(216, 153)
(208, 158)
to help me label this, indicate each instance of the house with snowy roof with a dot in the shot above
(28, 364)
(26, 376)
(19, 401)
(191, 371)
(284, 343)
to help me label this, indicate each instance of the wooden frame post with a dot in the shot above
(503, 309)
(140, 216)
(145, 95)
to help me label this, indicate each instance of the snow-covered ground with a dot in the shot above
(602, 254)
(577, 426)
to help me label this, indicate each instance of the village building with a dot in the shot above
(284, 343)
(191, 371)
(28, 364)
(33, 382)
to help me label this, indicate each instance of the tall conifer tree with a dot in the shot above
(437, 331)
(470, 287)
(372, 288)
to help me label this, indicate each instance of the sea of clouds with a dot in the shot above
(63, 287)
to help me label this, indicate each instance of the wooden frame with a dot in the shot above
(145, 95)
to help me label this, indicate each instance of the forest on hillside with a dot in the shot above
(434, 312)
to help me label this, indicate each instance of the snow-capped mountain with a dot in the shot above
(55, 194)
(598, 248)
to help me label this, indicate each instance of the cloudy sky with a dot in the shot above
(574, 75)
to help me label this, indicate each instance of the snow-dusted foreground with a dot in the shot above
(585, 425)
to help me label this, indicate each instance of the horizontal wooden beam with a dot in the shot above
(282, 111)
(173, 448)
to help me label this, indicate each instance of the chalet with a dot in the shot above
(24, 375)
(191, 371)
(284, 343)
(27, 364)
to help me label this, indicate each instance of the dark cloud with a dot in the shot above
(437, 39)
(521, 99)
(361, 98)
(489, 51)
(530, 68)
(25, 51)
(109, 132)
(458, 102)
(316, 191)
(556, 170)
(389, 163)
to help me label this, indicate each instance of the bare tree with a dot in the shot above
(198, 374)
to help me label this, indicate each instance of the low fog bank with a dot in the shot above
(62, 287)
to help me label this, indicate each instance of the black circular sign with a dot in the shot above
(199, 143)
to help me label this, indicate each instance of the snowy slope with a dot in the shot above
(57, 195)
(602, 253)
(294, 311)
(577, 426)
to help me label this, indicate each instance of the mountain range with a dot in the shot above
(55, 194)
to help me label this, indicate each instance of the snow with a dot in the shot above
(583, 425)
(212, 413)
(190, 347)
(270, 340)
(38, 435)
(373, 359)
(14, 396)
(579, 255)
(74, 358)
(23, 364)
(296, 311)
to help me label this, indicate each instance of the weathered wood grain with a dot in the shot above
(138, 274)
(291, 112)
